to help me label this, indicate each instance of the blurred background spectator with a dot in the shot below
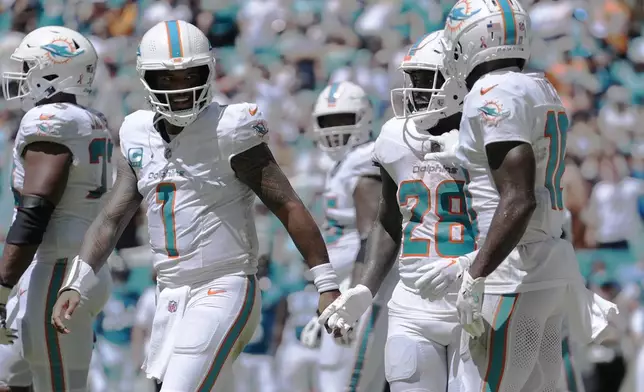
(281, 53)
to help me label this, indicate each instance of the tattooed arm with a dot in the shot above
(46, 167)
(513, 169)
(366, 197)
(124, 200)
(384, 240)
(257, 168)
(100, 240)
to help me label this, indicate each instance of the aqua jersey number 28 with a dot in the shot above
(453, 214)
(557, 131)
(100, 153)
(166, 192)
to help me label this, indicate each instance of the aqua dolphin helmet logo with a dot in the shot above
(460, 13)
(61, 50)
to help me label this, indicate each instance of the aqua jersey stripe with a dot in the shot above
(54, 353)
(571, 381)
(509, 24)
(362, 350)
(166, 195)
(174, 38)
(231, 337)
(332, 91)
(498, 344)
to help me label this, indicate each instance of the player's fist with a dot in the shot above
(469, 304)
(441, 274)
(340, 316)
(311, 333)
(7, 335)
(326, 299)
(64, 307)
(444, 147)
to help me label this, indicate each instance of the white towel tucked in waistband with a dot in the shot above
(171, 303)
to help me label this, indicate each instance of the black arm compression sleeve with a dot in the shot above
(32, 218)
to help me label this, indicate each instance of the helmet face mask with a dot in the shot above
(341, 119)
(177, 90)
(429, 95)
(177, 68)
(48, 61)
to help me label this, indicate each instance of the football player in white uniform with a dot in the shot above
(342, 121)
(513, 143)
(424, 212)
(198, 165)
(62, 169)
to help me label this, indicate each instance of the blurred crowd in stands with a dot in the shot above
(281, 54)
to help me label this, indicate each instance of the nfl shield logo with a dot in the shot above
(172, 306)
(435, 147)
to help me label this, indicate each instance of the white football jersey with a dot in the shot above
(341, 182)
(200, 216)
(510, 106)
(84, 132)
(436, 208)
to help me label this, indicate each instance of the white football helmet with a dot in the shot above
(176, 45)
(479, 31)
(52, 59)
(429, 94)
(342, 118)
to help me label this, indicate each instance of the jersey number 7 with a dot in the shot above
(451, 209)
(166, 192)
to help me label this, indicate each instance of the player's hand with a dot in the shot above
(341, 315)
(310, 336)
(345, 340)
(448, 145)
(434, 283)
(7, 335)
(469, 304)
(64, 308)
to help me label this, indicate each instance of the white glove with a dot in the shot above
(449, 144)
(310, 336)
(7, 335)
(345, 311)
(469, 304)
(345, 340)
(440, 276)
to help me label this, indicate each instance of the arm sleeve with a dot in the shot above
(39, 126)
(251, 131)
(503, 114)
